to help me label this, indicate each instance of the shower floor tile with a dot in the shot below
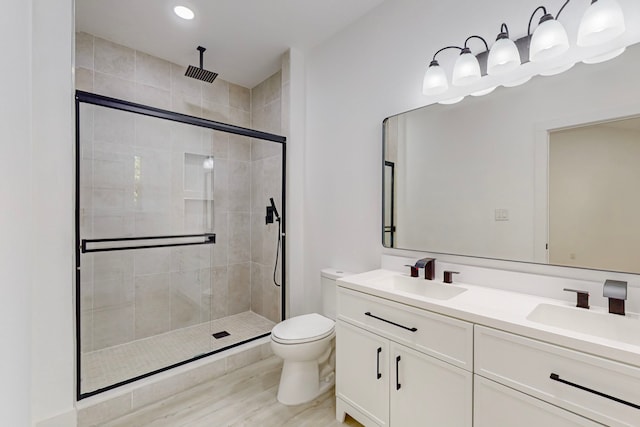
(112, 365)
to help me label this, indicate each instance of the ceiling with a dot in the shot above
(244, 38)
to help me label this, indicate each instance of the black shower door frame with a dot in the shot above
(118, 104)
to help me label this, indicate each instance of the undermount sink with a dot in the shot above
(610, 326)
(420, 287)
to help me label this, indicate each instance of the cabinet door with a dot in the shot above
(362, 374)
(426, 391)
(498, 406)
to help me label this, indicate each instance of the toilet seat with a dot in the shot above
(302, 329)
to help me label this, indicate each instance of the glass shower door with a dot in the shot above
(174, 259)
(146, 227)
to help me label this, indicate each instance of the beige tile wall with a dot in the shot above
(266, 182)
(127, 297)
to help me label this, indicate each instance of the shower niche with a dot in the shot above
(199, 178)
(170, 234)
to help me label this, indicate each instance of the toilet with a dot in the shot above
(307, 343)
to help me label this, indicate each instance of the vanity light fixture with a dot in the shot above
(549, 40)
(467, 68)
(184, 12)
(504, 56)
(435, 79)
(602, 22)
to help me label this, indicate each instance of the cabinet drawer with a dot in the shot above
(495, 405)
(527, 365)
(440, 336)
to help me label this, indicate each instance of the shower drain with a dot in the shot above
(221, 334)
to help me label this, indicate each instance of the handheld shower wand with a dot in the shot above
(271, 212)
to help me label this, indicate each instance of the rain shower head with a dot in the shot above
(200, 73)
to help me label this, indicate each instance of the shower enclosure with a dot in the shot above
(174, 259)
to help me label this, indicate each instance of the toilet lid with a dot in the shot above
(308, 327)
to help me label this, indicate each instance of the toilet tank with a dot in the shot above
(328, 277)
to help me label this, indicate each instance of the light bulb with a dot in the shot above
(549, 40)
(466, 70)
(602, 21)
(435, 80)
(503, 57)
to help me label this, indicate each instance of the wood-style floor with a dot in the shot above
(246, 397)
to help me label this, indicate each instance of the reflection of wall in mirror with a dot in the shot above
(450, 180)
(458, 164)
(594, 196)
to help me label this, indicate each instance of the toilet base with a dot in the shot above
(300, 382)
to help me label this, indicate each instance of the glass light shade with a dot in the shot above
(602, 21)
(557, 70)
(451, 101)
(435, 81)
(503, 57)
(484, 91)
(466, 70)
(605, 57)
(549, 40)
(517, 82)
(184, 12)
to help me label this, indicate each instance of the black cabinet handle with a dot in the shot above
(398, 385)
(556, 377)
(378, 374)
(368, 313)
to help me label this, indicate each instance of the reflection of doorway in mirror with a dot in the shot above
(389, 220)
(391, 137)
(594, 196)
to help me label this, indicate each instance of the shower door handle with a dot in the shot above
(208, 239)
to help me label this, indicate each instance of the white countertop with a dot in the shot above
(499, 309)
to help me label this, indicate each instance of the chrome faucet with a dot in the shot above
(616, 291)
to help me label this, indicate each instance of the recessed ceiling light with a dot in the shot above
(184, 12)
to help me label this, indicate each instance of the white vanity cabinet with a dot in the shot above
(600, 389)
(495, 405)
(362, 373)
(426, 391)
(401, 366)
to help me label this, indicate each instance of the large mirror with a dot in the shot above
(547, 172)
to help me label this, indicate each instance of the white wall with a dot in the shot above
(36, 183)
(295, 112)
(53, 140)
(16, 217)
(51, 260)
(372, 70)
